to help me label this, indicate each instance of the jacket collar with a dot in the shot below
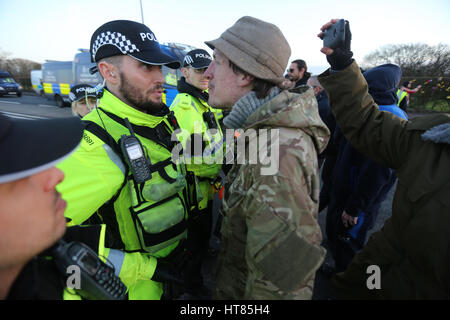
(291, 110)
(111, 103)
(438, 134)
(245, 107)
(303, 81)
(184, 87)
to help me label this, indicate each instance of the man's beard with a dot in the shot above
(294, 78)
(137, 100)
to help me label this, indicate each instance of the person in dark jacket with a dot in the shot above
(31, 228)
(298, 73)
(409, 257)
(358, 184)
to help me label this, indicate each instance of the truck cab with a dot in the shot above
(59, 76)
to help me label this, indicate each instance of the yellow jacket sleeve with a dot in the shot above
(91, 178)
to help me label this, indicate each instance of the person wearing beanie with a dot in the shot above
(359, 185)
(270, 235)
(409, 257)
(196, 117)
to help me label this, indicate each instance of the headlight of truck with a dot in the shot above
(20, 87)
(2, 89)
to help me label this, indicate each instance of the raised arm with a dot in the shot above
(380, 135)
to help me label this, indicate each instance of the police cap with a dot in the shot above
(29, 147)
(197, 59)
(78, 92)
(125, 37)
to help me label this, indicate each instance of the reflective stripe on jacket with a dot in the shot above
(401, 95)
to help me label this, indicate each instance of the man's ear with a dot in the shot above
(185, 72)
(302, 72)
(109, 72)
(245, 80)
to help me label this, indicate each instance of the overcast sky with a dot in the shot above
(55, 29)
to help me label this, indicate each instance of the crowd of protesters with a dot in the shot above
(342, 140)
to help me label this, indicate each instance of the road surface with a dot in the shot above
(31, 106)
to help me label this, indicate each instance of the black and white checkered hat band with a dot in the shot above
(116, 39)
(188, 60)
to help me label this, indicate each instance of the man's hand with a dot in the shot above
(348, 220)
(340, 57)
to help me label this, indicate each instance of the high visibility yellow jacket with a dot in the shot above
(218, 113)
(401, 95)
(189, 111)
(171, 79)
(149, 220)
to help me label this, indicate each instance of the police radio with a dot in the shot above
(134, 155)
(97, 279)
(210, 119)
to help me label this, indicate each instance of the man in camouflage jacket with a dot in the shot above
(270, 235)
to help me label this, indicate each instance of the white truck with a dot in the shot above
(59, 76)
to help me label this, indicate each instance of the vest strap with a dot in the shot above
(159, 134)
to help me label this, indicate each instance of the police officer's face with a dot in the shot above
(83, 106)
(225, 86)
(31, 216)
(141, 84)
(196, 78)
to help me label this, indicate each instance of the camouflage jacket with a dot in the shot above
(270, 235)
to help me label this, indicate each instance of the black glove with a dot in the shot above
(166, 272)
(341, 57)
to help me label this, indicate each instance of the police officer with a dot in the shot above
(200, 125)
(36, 222)
(82, 99)
(145, 211)
(31, 211)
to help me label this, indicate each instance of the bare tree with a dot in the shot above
(428, 66)
(415, 59)
(19, 68)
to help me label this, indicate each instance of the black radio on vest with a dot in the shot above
(97, 279)
(134, 156)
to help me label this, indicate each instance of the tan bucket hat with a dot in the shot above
(257, 47)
